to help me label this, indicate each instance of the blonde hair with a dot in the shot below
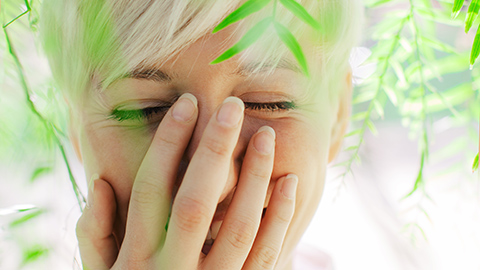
(92, 41)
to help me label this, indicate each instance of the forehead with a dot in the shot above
(255, 61)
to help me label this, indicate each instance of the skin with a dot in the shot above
(140, 167)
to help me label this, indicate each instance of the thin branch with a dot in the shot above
(48, 126)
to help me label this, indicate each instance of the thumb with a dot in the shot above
(97, 244)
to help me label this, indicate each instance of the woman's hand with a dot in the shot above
(242, 243)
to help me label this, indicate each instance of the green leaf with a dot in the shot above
(438, 45)
(372, 127)
(40, 171)
(419, 181)
(372, 4)
(355, 132)
(25, 218)
(299, 11)
(359, 116)
(353, 147)
(475, 164)
(471, 14)
(242, 12)
(475, 48)
(392, 95)
(248, 39)
(34, 253)
(398, 69)
(291, 42)
(379, 108)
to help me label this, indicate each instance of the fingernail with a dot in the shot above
(289, 188)
(231, 112)
(184, 108)
(91, 188)
(264, 141)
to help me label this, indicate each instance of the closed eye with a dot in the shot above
(150, 113)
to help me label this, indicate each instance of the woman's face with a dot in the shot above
(114, 145)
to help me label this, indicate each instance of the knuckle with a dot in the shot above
(259, 173)
(216, 147)
(146, 191)
(190, 214)
(240, 234)
(168, 142)
(265, 257)
(283, 216)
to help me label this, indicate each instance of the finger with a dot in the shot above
(97, 244)
(151, 193)
(240, 227)
(202, 185)
(269, 241)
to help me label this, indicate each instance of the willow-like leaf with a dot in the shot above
(246, 41)
(39, 172)
(372, 127)
(353, 133)
(359, 116)
(33, 254)
(300, 12)
(475, 48)
(353, 147)
(475, 164)
(398, 69)
(391, 94)
(378, 108)
(471, 14)
(376, 3)
(419, 181)
(242, 12)
(26, 218)
(457, 7)
(292, 44)
(438, 45)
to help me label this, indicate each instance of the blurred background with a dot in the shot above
(416, 99)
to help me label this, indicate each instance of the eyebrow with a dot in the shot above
(151, 75)
(246, 70)
(257, 67)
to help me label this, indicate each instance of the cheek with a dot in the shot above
(115, 156)
(302, 148)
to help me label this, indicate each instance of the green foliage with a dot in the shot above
(411, 62)
(291, 42)
(256, 31)
(22, 220)
(248, 39)
(34, 253)
(242, 12)
(39, 172)
(475, 164)
(300, 12)
(457, 7)
(471, 14)
(42, 126)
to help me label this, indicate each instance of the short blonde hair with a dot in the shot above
(105, 39)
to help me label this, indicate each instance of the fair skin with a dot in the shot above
(207, 167)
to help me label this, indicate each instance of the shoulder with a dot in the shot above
(309, 257)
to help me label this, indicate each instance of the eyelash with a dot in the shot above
(148, 113)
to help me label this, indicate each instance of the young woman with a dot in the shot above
(194, 165)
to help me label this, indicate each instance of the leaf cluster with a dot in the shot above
(412, 62)
(285, 35)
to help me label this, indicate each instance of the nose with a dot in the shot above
(205, 112)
